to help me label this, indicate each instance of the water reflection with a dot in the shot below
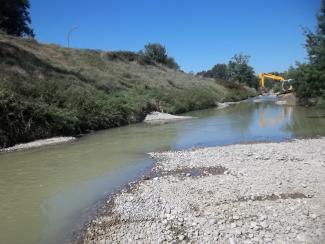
(274, 117)
(307, 122)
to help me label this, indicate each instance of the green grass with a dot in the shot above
(47, 90)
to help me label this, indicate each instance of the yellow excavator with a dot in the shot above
(262, 77)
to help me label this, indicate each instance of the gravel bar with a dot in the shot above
(158, 117)
(253, 193)
(38, 143)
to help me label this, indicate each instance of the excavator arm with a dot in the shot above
(271, 76)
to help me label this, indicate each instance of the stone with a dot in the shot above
(302, 237)
(262, 217)
(212, 221)
(233, 225)
(232, 241)
(264, 225)
(181, 237)
(235, 217)
(253, 225)
(313, 216)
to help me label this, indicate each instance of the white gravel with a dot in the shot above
(38, 143)
(158, 117)
(255, 193)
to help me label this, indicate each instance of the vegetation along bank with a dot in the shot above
(48, 90)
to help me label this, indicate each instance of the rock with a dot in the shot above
(264, 225)
(212, 221)
(262, 217)
(233, 225)
(302, 237)
(235, 217)
(232, 241)
(181, 237)
(313, 216)
(253, 225)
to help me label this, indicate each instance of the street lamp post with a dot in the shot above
(69, 34)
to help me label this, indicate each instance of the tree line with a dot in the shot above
(237, 70)
(310, 76)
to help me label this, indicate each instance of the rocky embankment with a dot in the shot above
(255, 193)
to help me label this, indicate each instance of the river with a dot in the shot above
(46, 193)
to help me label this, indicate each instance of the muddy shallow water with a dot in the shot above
(46, 192)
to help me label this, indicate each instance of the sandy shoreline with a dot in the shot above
(38, 143)
(255, 193)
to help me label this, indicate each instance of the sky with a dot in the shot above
(197, 33)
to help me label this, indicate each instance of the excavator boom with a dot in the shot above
(262, 77)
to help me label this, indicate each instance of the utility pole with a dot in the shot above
(69, 34)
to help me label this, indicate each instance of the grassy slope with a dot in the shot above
(47, 90)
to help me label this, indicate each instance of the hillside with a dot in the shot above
(47, 90)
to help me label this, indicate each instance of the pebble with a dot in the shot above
(181, 237)
(233, 225)
(232, 241)
(212, 221)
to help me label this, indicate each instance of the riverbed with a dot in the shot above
(46, 193)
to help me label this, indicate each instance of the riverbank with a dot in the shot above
(38, 143)
(254, 193)
(80, 90)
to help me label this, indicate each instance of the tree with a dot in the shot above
(310, 77)
(14, 17)
(315, 42)
(156, 51)
(219, 71)
(240, 71)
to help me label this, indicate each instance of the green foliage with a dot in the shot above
(171, 63)
(144, 59)
(237, 70)
(310, 77)
(14, 17)
(127, 56)
(219, 71)
(155, 52)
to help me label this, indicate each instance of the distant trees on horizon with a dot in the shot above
(237, 70)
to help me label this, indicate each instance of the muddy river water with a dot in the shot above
(46, 193)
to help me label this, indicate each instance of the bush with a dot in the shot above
(171, 63)
(156, 52)
(145, 60)
(122, 56)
